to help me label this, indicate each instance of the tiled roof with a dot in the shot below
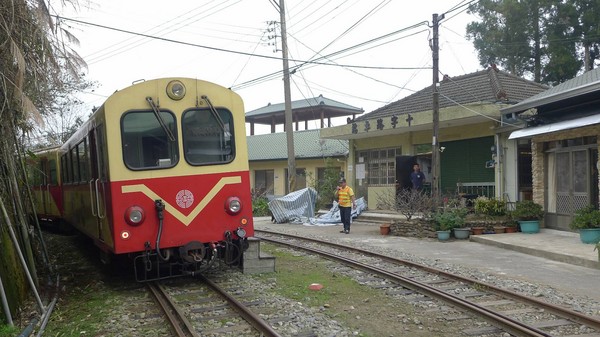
(307, 144)
(485, 86)
(303, 103)
(585, 83)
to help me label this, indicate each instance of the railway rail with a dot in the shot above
(505, 310)
(203, 302)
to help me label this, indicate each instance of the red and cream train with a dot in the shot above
(159, 172)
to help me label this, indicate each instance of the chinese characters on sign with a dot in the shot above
(380, 125)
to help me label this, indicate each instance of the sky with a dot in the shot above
(363, 53)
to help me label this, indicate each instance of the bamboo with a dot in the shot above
(5, 307)
(21, 257)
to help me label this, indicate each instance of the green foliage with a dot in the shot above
(326, 186)
(540, 38)
(528, 210)
(449, 218)
(490, 206)
(8, 331)
(587, 217)
(260, 205)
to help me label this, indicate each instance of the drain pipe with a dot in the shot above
(46, 316)
(29, 329)
(5, 307)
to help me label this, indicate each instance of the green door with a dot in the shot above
(464, 161)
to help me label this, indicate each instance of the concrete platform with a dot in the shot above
(551, 258)
(548, 243)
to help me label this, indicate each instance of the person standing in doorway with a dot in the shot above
(417, 178)
(346, 202)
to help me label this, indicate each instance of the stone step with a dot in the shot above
(255, 261)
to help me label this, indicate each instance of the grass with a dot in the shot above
(81, 313)
(8, 331)
(368, 311)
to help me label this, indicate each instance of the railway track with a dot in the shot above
(505, 311)
(208, 309)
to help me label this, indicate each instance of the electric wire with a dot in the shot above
(162, 31)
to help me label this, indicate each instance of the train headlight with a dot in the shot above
(233, 205)
(176, 90)
(134, 216)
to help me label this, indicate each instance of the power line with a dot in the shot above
(228, 50)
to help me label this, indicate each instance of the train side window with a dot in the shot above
(84, 167)
(69, 163)
(146, 145)
(208, 136)
(52, 173)
(75, 162)
(63, 166)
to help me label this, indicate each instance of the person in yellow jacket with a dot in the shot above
(346, 202)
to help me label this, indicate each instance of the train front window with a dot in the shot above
(146, 145)
(208, 136)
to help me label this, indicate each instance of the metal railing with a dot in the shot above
(487, 189)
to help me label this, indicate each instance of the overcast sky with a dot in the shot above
(230, 42)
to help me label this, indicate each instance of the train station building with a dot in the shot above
(500, 136)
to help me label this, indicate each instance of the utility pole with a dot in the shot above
(435, 145)
(288, 103)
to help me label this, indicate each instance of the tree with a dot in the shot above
(33, 65)
(562, 31)
(549, 40)
(588, 12)
(507, 35)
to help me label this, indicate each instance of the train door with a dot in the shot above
(45, 197)
(98, 182)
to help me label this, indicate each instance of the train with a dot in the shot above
(159, 173)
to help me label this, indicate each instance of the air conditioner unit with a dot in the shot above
(510, 117)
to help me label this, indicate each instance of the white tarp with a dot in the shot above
(296, 207)
(299, 207)
(333, 216)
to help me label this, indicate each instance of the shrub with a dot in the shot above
(260, 204)
(528, 210)
(326, 185)
(406, 202)
(447, 219)
(587, 217)
(490, 206)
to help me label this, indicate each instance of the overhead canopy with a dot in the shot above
(316, 108)
(558, 126)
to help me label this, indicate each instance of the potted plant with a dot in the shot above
(493, 213)
(511, 227)
(528, 214)
(587, 221)
(448, 219)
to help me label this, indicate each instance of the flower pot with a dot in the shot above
(477, 230)
(384, 229)
(510, 229)
(443, 235)
(589, 235)
(530, 226)
(462, 233)
(499, 229)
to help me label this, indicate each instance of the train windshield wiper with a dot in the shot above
(214, 113)
(161, 121)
